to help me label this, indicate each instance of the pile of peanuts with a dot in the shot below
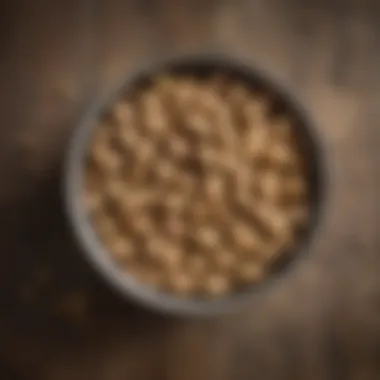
(195, 186)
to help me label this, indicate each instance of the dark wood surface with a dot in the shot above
(58, 322)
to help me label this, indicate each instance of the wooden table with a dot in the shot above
(57, 322)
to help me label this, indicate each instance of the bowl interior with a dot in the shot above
(282, 103)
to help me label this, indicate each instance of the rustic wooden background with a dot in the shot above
(57, 322)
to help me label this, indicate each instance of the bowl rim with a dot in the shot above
(97, 255)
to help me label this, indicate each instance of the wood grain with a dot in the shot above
(57, 321)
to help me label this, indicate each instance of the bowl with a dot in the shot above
(97, 255)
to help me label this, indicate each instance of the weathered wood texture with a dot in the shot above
(57, 322)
